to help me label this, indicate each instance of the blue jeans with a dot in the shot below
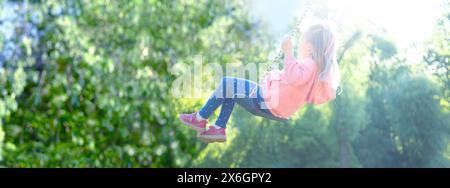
(230, 91)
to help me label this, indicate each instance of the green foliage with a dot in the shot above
(102, 97)
(418, 137)
(92, 89)
(437, 56)
(12, 82)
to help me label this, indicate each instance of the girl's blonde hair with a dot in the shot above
(323, 40)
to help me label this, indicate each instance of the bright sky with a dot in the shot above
(405, 21)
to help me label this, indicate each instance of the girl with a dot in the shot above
(312, 78)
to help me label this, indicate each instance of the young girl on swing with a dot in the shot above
(313, 78)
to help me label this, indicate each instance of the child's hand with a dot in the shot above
(287, 47)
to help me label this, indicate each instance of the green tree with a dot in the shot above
(12, 82)
(406, 125)
(437, 55)
(99, 80)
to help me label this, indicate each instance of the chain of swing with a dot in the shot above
(274, 61)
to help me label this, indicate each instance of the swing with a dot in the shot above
(274, 62)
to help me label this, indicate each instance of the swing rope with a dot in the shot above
(274, 61)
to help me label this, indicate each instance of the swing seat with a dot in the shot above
(271, 117)
(267, 116)
(260, 113)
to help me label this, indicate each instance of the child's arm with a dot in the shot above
(296, 73)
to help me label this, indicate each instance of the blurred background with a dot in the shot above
(87, 84)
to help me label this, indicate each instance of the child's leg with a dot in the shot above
(225, 113)
(229, 91)
(226, 94)
(224, 91)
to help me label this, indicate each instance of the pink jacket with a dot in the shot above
(286, 91)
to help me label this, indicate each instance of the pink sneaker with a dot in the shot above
(191, 121)
(213, 135)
